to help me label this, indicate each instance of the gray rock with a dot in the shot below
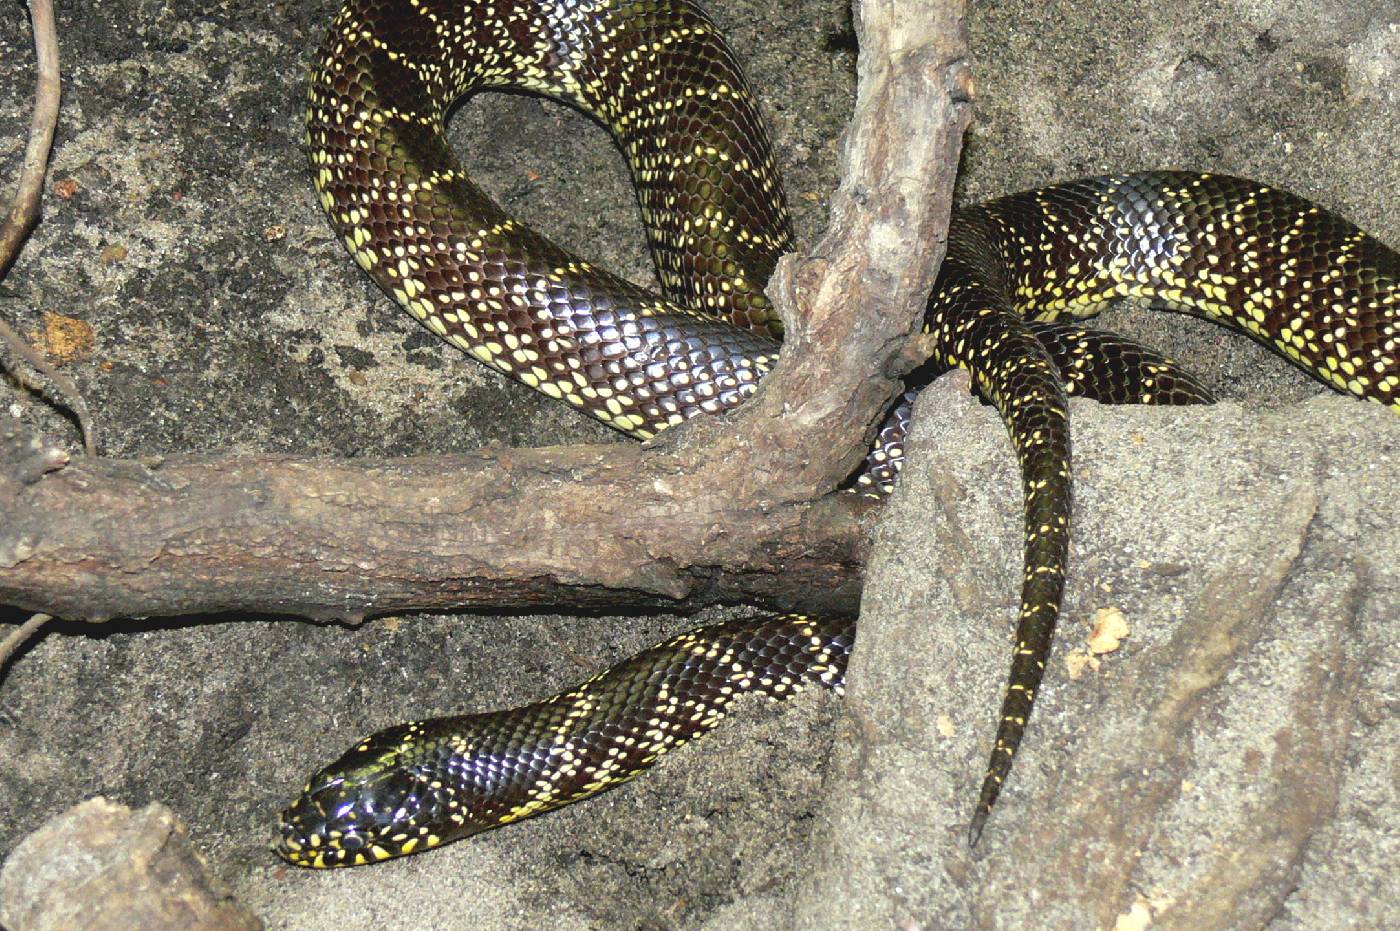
(102, 867)
(1231, 765)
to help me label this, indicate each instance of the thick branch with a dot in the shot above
(570, 525)
(734, 509)
(851, 303)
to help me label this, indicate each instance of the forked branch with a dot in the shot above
(743, 508)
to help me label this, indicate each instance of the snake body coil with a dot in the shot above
(655, 72)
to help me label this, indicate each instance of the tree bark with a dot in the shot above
(741, 508)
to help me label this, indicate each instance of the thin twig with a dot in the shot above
(21, 636)
(24, 211)
(65, 391)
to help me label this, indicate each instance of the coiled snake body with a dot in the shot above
(655, 72)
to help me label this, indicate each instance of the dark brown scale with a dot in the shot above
(1281, 269)
(1113, 369)
(655, 72)
(1012, 370)
(718, 273)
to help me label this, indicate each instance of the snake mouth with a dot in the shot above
(327, 843)
(342, 822)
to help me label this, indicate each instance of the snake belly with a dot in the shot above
(657, 74)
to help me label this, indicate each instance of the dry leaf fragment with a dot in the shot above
(66, 339)
(1077, 661)
(1110, 627)
(1137, 918)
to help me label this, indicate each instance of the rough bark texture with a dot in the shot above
(102, 867)
(540, 527)
(585, 526)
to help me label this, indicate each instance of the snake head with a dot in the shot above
(383, 798)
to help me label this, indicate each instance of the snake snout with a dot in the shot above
(361, 815)
(318, 828)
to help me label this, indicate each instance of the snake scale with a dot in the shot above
(658, 75)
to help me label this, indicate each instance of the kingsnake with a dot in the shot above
(656, 73)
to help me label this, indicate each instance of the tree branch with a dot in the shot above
(24, 211)
(590, 526)
(728, 509)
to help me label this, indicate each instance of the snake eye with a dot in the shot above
(350, 843)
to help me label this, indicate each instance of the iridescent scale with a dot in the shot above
(1288, 273)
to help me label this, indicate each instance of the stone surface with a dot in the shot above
(1230, 765)
(100, 866)
(224, 315)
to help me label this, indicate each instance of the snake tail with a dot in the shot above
(420, 785)
(1262, 261)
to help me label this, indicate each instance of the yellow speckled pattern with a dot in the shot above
(1293, 276)
(420, 785)
(1284, 271)
(410, 215)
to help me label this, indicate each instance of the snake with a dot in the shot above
(1020, 275)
